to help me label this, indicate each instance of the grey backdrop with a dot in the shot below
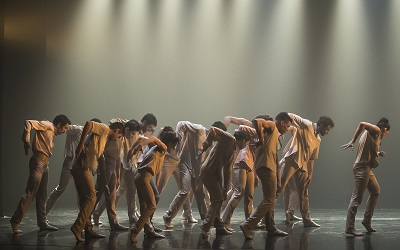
(200, 61)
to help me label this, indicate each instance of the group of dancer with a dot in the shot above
(210, 164)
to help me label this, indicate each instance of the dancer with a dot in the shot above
(299, 159)
(150, 166)
(109, 175)
(73, 133)
(87, 153)
(220, 158)
(366, 159)
(244, 179)
(170, 167)
(267, 169)
(192, 138)
(38, 169)
(147, 125)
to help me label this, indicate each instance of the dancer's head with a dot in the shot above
(324, 125)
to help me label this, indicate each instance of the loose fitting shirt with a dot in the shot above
(74, 133)
(305, 143)
(113, 148)
(220, 155)
(192, 138)
(367, 153)
(44, 133)
(267, 153)
(128, 164)
(171, 160)
(247, 154)
(152, 160)
(94, 145)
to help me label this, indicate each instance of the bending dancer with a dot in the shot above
(73, 133)
(268, 170)
(192, 138)
(147, 125)
(170, 167)
(87, 154)
(38, 169)
(109, 175)
(299, 159)
(220, 157)
(244, 179)
(150, 166)
(364, 178)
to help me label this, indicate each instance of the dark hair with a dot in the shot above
(220, 125)
(265, 117)
(132, 125)
(283, 116)
(95, 120)
(242, 135)
(169, 137)
(383, 123)
(168, 129)
(165, 130)
(324, 120)
(61, 119)
(117, 125)
(149, 118)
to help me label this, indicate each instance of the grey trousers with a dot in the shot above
(109, 175)
(364, 179)
(289, 170)
(35, 188)
(266, 207)
(65, 178)
(243, 185)
(165, 175)
(188, 183)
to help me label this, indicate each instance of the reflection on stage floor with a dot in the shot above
(188, 236)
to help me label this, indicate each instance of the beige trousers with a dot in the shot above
(289, 170)
(290, 197)
(364, 179)
(35, 188)
(243, 186)
(87, 197)
(266, 207)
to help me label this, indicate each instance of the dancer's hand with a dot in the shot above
(348, 145)
(382, 153)
(138, 148)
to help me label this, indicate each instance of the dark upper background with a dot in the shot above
(200, 61)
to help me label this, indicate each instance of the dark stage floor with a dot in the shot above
(184, 236)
